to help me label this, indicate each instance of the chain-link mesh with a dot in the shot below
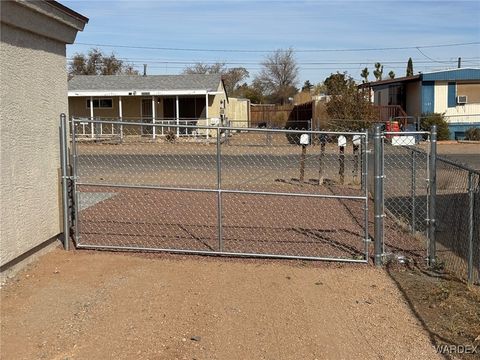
(405, 196)
(406, 205)
(457, 209)
(231, 193)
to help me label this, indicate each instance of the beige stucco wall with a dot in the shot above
(32, 96)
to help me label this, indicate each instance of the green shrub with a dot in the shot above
(472, 134)
(428, 120)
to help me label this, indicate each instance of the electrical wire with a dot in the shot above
(267, 51)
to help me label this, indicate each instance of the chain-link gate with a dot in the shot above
(270, 193)
(300, 195)
(406, 194)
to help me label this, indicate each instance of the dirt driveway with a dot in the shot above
(87, 305)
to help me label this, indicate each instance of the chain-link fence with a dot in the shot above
(275, 193)
(406, 190)
(290, 197)
(428, 207)
(458, 219)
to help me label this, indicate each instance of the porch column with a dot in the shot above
(120, 115)
(206, 114)
(154, 132)
(177, 113)
(91, 117)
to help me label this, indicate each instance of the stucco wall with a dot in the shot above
(32, 96)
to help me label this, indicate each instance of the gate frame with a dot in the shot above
(379, 191)
(220, 130)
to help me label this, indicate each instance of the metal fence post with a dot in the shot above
(470, 228)
(364, 170)
(219, 192)
(413, 186)
(63, 159)
(432, 196)
(378, 193)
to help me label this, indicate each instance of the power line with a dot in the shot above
(266, 51)
(431, 59)
(193, 62)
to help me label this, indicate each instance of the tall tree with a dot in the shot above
(203, 68)
(391, 74)
(378, 72)
(319, 89)
(365, 74)
(97, 63)
(409, 67)
(279, 75)
(307, 86)
(252, 92)
(348, 107)
(232, 77)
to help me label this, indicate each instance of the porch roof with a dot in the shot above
(112, 85)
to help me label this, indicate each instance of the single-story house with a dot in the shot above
(33, 94)
(198, 99)
(454, 93)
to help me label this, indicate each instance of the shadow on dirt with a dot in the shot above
(447, 308)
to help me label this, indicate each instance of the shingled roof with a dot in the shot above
(208, 82)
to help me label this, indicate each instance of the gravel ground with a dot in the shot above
(93, 305)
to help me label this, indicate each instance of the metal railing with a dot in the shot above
(114, 128)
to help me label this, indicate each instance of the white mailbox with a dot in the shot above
(356, 140)
(304, 139)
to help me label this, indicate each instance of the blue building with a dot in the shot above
(454, 93)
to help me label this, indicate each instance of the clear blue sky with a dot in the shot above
(262, 26)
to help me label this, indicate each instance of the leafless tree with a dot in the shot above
(97, 63)
(279, 75)
(232, 77)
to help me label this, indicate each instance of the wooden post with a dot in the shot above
(302, 163)
(323, 141)
(355, 162)
(342, 142)
(342, 164)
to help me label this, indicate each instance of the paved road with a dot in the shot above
(470, 160)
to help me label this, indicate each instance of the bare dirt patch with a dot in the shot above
(89, 305)
(448, 309)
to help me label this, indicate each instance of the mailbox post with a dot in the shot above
(356, 146)
(342, 142)
(304, 142)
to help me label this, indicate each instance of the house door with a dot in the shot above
(146, 116)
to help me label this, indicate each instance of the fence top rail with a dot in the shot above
(263, 130)
(406, 133)
(458, 165)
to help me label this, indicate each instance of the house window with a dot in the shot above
(100, 103)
